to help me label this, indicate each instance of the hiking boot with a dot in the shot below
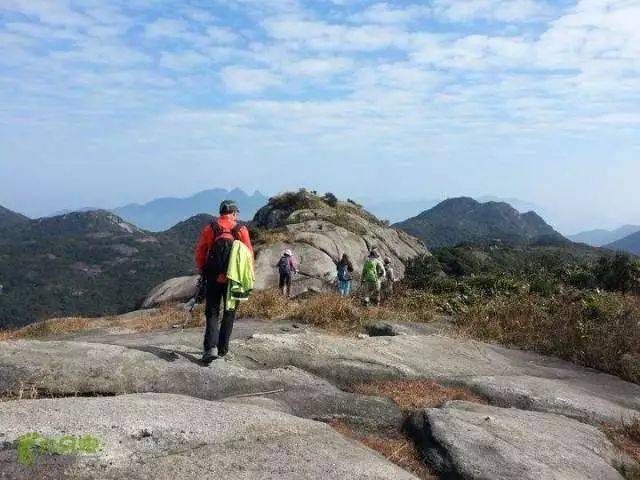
(210, 355)
(223, 353)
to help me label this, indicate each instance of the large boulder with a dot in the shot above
(178, 289)
(320, 235)
(164, 437)
(471, 441)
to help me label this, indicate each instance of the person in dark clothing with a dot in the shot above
(345, 271)
(212, 258)
(286, 269)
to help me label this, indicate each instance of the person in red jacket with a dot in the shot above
(212, 258)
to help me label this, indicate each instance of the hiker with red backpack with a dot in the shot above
(212, 255)
(286, 269)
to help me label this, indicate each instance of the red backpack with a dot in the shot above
(218, 255)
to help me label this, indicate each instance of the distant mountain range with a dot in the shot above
(601, 237)
(162, 213)
(399, 210)
(630, 244)
(85, 263)
(464, 219)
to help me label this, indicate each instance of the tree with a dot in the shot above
(330, 199)
(618, 273)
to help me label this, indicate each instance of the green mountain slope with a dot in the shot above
(86, 263)
(459, 220)
(630, 243)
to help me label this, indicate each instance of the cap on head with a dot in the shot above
(288, 252)
(228, 206)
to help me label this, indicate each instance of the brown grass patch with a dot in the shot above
(270, 237)
(626, 437)
(412, 395)
(397, 449)
(328, 311)
(267, 304)
(165, 318)
(601, 331)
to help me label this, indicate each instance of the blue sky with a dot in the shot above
(107, 102)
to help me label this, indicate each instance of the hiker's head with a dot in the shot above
(229, 207)
(287, 253)
(345, 257)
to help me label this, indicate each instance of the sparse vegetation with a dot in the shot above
(626, 437)
(268, 237)
(394, 447)
(411, 395)
(164, 318)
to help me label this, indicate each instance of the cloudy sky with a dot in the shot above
(107, 102)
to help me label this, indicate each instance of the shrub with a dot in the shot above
(268, 304)
(292, 201)
(596, 330)
(330, 199)
(619, 273)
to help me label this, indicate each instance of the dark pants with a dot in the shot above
(216, 335)
(285, 284)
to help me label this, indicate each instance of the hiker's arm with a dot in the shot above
(243, 236)
(200, 254)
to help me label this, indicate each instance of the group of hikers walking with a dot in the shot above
(377, 277)
(225, 260)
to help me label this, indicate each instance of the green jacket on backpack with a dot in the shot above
(372, 271)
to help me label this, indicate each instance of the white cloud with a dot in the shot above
(318, 67)
(384, 13)
(494, 10)
(184, 60)
(246, 80)
(320, 35)
(222, 35)
(57, 12)
(166, 27)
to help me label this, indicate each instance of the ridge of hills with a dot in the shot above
(463, 219)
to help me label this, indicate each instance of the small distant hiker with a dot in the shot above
(389, 278)
(286, 269)
(372, 274)
(345, 271)
(212, 256)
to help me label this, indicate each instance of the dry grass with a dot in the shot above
(397, 449)
(165, 318)
(270, 237)
(267, 304)
(328, 311)
(601, 331)
(626, 437)
(412, 395)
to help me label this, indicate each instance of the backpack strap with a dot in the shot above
(235, 231)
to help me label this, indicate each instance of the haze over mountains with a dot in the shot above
(602, 237)
(162, 213)
(464, 219)
(630, 244)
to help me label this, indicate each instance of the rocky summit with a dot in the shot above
(318, 232)
(266, 410)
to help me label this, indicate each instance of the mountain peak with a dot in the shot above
(464, 219)
(9, 218)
